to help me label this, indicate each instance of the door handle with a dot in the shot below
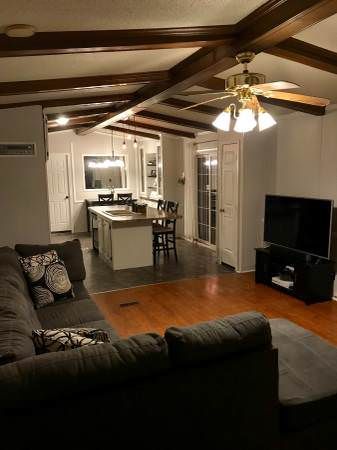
(66, 197)
(221, 210)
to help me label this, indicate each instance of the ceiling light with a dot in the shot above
(20, 31)
(246, 121)
(222, 121)
(62, 120)
(135, 143)
(265, 120)
(124, 145)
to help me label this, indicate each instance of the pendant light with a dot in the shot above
(124, 143)
(135, 143)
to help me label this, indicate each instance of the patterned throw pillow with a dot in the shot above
(48, 278)
(93, 333)
(57, 340)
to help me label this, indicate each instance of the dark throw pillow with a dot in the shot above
(48, 278)
(57, 340)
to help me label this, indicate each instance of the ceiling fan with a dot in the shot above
(245, 87)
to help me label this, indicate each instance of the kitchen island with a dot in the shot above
(125, 237)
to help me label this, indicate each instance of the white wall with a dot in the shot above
(92, 144)
(306, 163)
(23, 185)
(257, 178)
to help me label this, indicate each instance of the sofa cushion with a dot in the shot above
(68, 313)
(308, 376)
(80, 290)
(218, 338)
(16, 323)
(70, 252)
(51, 376)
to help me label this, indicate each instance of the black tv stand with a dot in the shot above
(301, 275)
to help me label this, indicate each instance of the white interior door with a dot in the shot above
(228, 204)
(58, 187)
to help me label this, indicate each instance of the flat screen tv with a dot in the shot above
(302, 224)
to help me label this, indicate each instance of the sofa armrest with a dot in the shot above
(54, 376)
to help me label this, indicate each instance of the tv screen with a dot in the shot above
(301, 224)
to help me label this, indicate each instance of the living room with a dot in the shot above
(168, 240)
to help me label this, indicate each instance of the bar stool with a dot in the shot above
(158, 227)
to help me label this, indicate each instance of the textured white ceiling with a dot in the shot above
(87, 64)
(52, 15)
(74, 93)
(323, 34)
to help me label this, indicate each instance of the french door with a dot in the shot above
(207, 197)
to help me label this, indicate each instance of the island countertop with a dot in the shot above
(121, 216)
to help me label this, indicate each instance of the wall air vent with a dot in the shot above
(17, 149)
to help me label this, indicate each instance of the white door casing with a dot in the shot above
(228, 204)
(59, 195)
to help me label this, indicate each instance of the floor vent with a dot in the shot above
(127, 304)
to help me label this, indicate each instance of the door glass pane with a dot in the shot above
(207, 195)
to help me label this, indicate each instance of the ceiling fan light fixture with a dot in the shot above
(222, 121)
(265, 119)
(246, 121)
(62, 120)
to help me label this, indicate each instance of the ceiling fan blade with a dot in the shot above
(276, 86)
(201, 93)
(206, 101)
(298, 98)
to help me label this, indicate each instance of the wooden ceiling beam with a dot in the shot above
(157, 117)
(278, 20)
(133, 132)
(70, 101)
(274, 22)
(67, 42)
(65, 84)
(149, 125)
(305, 53)
(81, 113)
(73, 121)
(66, 127)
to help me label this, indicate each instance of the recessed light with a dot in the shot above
(20, 31)
(62, 120)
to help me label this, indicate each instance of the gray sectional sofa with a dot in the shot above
(240, 382)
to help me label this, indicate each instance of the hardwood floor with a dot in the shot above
(186, 302)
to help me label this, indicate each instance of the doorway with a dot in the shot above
(59, 194)
(207, 197)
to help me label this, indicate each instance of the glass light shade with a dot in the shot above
(62, 120)
(222, 121)
(265, 120)
(135, 143)
(246, 121)
(106, 164)
(124, 145)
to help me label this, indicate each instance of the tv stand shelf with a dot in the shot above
(312, 277)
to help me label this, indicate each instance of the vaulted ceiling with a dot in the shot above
(101, 61)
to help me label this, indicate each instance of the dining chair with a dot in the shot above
(164, 235)
(105, 197)
(124, 198)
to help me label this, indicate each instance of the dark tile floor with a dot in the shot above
(193, 261)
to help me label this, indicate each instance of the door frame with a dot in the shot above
(70, 186)
(237, 264)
